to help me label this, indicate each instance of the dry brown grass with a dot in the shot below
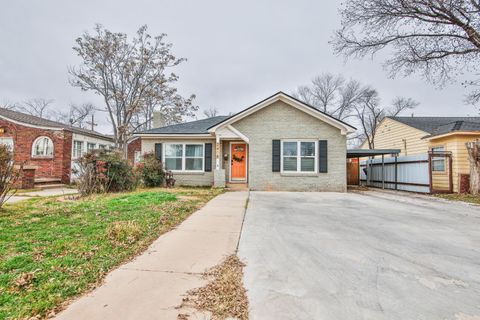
(124, 233)
(224, 296)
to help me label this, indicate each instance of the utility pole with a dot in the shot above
(92, 123)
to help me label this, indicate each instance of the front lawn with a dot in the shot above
(470, 198)
(53, 249)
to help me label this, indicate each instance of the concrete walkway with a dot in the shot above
(41, 193)
(153, 285)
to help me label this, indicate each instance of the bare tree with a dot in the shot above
(9, 105)
(173, 107)
(436, 38)
(331, 94)
(129, 75)
(38, 107)
(211, 112)
(370, 113)
(77, 115)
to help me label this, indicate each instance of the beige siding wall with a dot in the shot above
(281, 121)
(185, 178)
(460, 163)
(392, 134)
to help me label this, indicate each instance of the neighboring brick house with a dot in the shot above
(279, 143)
(50, 146)
(134, 150)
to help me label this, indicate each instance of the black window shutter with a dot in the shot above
(208, 157)
(275, 155)
(158, 151)
(322, 156)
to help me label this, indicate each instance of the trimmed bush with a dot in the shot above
(105, 171)
(151, 171)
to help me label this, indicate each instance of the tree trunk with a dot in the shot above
(473, 149)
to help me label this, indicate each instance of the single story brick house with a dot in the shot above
(49, 146)
(279, 143)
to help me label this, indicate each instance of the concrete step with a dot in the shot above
(237, 187)
(50, 186)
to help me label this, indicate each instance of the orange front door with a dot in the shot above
(238, 161)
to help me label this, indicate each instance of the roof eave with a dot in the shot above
(443, 135)
(281, 96)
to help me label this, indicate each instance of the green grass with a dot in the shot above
(52, 250)
(461, 197)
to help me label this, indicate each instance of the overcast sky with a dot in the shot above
(239, 52)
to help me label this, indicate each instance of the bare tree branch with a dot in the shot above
(436, 38)
(36, 107)
(132, 77)
(211, 112)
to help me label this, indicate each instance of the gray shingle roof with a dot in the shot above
(42, 122)
(192, 127)
(441, 125)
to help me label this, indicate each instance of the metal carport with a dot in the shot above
(370, 154)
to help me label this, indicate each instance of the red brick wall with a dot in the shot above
(135, 145)
(57, 166)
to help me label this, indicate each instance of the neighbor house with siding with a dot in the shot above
(279, 143)
(421, 135)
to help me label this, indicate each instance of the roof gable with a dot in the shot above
(291, 101)
(440, 125)
(42, 123)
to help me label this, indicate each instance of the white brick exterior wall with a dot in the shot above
(275, 122)
(281, 121)
(185, 178)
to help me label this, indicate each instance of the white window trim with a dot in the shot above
(94, 146)
(137, 156)
(442, 159)
(11, 145)
(299, 157)
(164, 146)
(82, 151)
(42, 156)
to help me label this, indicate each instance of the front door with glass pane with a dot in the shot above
(238, 162)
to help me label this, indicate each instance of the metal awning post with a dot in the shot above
(369, 171)
(383, 171)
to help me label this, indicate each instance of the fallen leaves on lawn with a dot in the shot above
(224, 296)
(24, 279)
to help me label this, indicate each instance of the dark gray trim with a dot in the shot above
(208, 157)
(158, 151)
(323, 156)
(276, 155)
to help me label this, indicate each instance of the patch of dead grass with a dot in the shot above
(224, 296)
(124, 233)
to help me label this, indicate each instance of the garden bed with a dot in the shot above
(51, 251)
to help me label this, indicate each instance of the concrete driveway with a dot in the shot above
(360, 256)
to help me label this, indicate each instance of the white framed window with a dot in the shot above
(7, 142)
(77, 149)
(299, 156)
(91, 146)
(137, 157)
(42, 147)
(184, 157)
(102, 146)
(438, 163)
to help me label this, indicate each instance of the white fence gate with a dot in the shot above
(409, 173)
